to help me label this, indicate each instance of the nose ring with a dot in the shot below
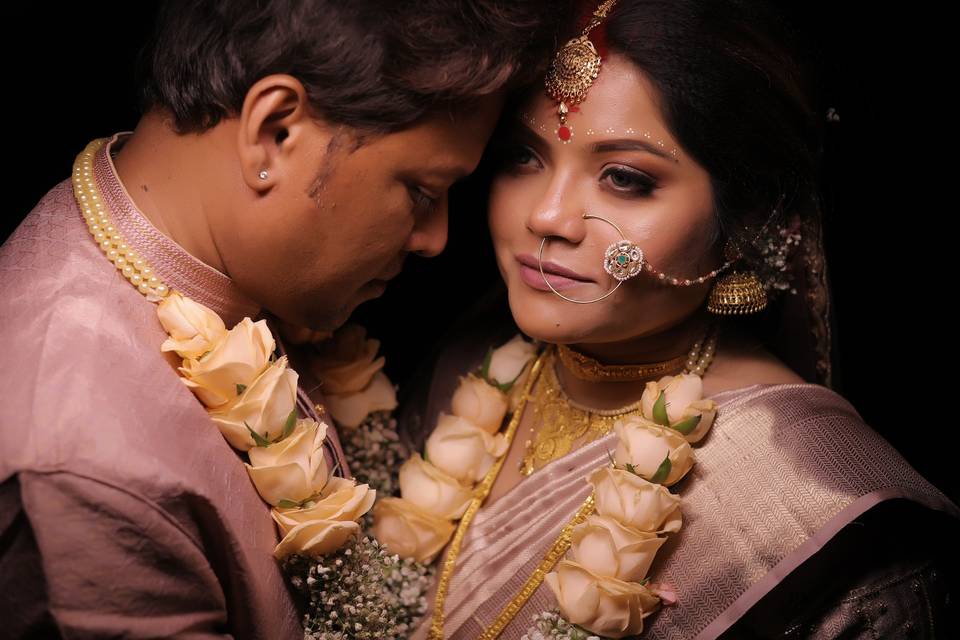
(622, 260)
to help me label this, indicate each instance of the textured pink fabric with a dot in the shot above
(783, 469)
(130, 514)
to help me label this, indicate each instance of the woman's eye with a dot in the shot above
(519, 157)
(629, 181)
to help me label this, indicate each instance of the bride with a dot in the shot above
(656, 223)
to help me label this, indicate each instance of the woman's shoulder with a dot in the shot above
(741, 361)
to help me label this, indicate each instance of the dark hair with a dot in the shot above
(735, 94)
(373, 66)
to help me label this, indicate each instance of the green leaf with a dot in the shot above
(613, 462)
(290, 423)
(687, 426)
(257, 438)
(644, 581)
(485, 368)
(632, 469)
(288, 504)
(241, 388)
(660, 410)
(662, 471)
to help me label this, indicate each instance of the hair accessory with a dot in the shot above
(573, 70)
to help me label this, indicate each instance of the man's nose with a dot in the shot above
(429, 235)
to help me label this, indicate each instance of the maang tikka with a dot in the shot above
(573, 71)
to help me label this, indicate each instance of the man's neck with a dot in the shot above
(169, 176)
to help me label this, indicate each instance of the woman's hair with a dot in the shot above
(374, 66)
(735, 94)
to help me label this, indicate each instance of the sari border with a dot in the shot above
(811, 546)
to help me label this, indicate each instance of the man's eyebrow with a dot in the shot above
(630, 144)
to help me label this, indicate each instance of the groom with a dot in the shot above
(290, 155)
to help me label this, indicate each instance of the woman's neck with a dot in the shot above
(665, 345)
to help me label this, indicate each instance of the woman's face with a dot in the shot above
(621, 164)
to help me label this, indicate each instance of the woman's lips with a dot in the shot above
(530, 274)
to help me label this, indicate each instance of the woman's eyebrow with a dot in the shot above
(632, 145)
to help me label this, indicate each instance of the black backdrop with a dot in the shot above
(69, 79)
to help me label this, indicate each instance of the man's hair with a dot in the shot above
(375, 66)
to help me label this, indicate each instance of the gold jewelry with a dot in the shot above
(556, 552)
(107, 236)
(586, 368)
(559, 421)
(573, 70)
(739, 293)
(622, 260)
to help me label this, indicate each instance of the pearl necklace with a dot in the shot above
(107, 236)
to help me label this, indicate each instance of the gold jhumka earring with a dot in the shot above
(738, 293)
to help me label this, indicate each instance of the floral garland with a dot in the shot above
(363, 591)
(436, 489)
(602, 587)
(251, 397)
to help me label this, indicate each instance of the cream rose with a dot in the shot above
(316, 538)
(684, 410)
(234, 363)
(433, 490)
(341, 499)
(409, 531)
(634, 502)
(462, 449)
(350, 409)
(194, 329)
(263, 407)
(347, 362)
(606, 606)
(479, 402)
(605, 547)
(508, 360)
(325, 525)
(645, 446)
(291, 469)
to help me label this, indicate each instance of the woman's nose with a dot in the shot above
(558, 213)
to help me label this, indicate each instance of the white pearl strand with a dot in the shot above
(698, 361)
(132, 266)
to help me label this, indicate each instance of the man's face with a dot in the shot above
(337, 227)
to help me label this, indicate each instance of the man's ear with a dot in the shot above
(274, 119)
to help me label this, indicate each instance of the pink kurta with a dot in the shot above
(123, 511)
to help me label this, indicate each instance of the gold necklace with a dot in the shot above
(587, 368)
(560, 421)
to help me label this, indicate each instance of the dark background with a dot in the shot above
(69, 79)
